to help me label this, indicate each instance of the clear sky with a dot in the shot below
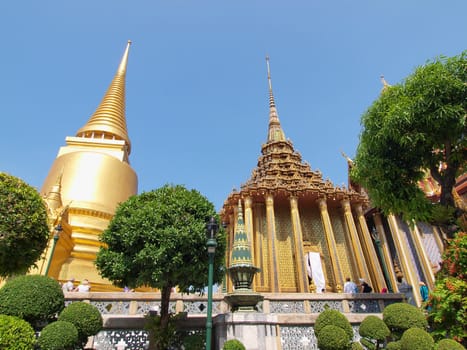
(197, 93)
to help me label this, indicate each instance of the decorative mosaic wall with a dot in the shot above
(284, 249)
(342, 243)
(304, 338)
(429, 242)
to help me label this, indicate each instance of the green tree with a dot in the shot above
(413, 127)
(24, 229)
(158, 239)
(447, 303)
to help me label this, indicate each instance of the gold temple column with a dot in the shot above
(404, 258)
(423, 257)
(356, 245)
(271, 224)
(384, 246)
(302, 279)
(338, 279)
(375, 268)
(249, 225)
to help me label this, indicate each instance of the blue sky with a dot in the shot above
(197, 93)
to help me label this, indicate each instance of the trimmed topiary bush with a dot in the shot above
(34, 298)
(60, 335)
(335, 318)
(417, 339)
(449, 344)
(394, 345)
(401, 316)
(356, 346)
(85, 317)
(16, 333)
(374, 330)
(333, 338)
(233, 344)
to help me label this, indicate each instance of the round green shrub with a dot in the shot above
(394, 345)
(60, 335)
(85, 317)
(417, 339)
(401, 316)
(356, 346)
(335, 318)
(16, 333)
(449, 344)
(233, 344)
(34, 298)
(24, 229)
(332, 338)
(373, 327)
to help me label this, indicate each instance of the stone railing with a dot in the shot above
(124, 313)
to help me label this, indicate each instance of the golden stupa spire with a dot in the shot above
(108, 121)
(275, 132)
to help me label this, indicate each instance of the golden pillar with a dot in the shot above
(404, 258)
(375, 268)
(356, 244)
(249, 225)
(302, 279)
(384, 246)
(332, 247)
(271, 224)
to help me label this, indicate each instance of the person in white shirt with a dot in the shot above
(69, 286)
(83, 287)
(350, 286)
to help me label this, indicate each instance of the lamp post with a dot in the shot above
(211, 230)
(57, 231)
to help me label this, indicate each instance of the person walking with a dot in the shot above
(423, 291)
(350, 286)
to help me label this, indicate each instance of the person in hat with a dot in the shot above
(365, 287)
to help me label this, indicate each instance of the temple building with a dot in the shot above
(90, 176)
(308, 235)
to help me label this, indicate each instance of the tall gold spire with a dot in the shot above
(108, 121)
(275, 132)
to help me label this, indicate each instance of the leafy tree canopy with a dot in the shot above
(413, 127)
(158, 239)
(24, 229)
(447, 303)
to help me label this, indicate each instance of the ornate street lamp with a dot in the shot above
(211, 230)
(57, 231)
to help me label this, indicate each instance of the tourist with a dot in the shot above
(83, 287)
(423, 291)
(365, 287)
(350, 286)
(69, 286)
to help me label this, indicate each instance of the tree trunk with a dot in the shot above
(160, 332)
(165, 299)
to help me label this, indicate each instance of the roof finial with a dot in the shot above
(271, 96)
(385, 83)
(275, 132)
